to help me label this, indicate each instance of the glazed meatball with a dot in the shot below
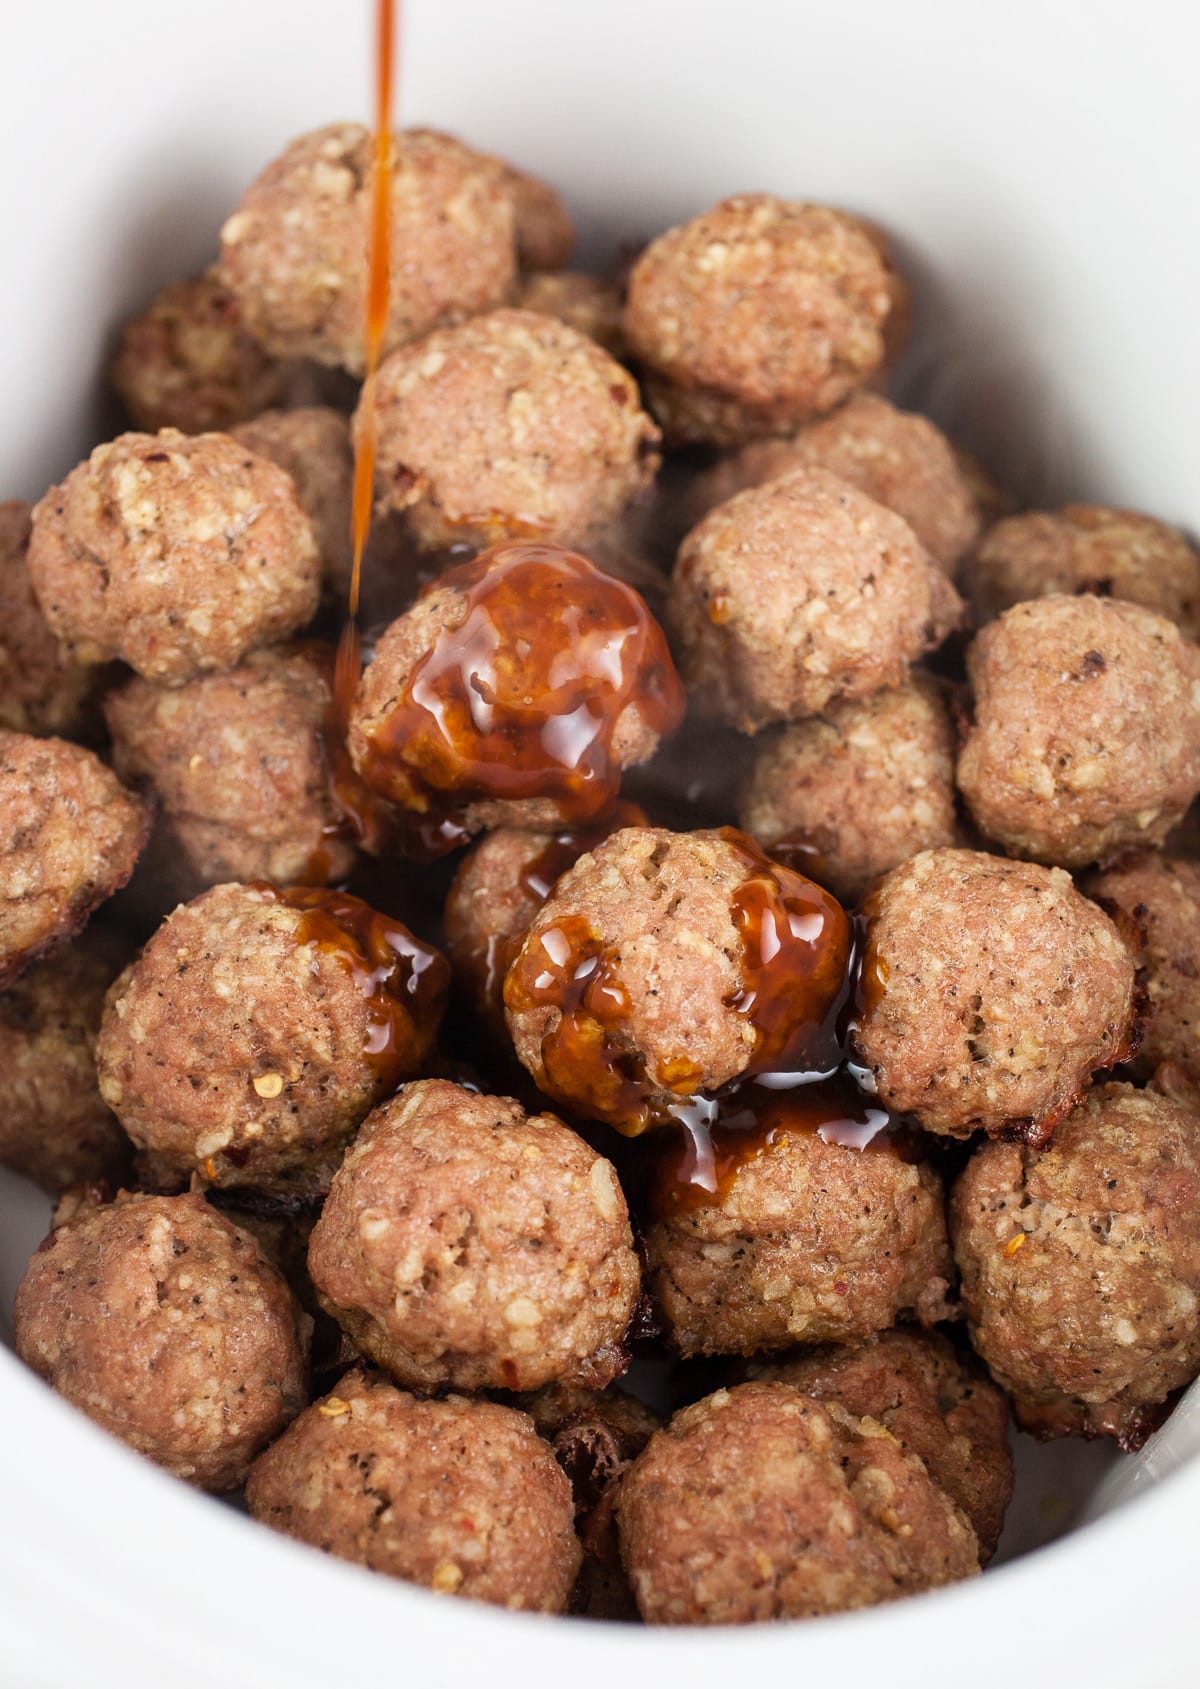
(586, 303)
(238, 764)
(542, 223)
(176, 553)
(857, 791)
(756, 316)
(70, 835)
(799, 593)
(644, 977)
(313, 444)
(166, 1290)
(42, 689)
(1086, 741)
(294, 256)
(513, 693)
(1086, 548)
(461, 1496)
(511, 424)
(258, 1028)
(762, 1503)
(991, 992)
(1161, 898)
(54, 1126)
(1081, 1264)
(934, 1403)
(464, 1243)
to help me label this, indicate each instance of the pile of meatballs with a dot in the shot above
(744, 925)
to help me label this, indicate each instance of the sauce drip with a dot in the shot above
(523, 697)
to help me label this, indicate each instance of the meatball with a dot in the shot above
(294, 256)
(313, 445)
(176, 553)
(1086, 548)
(762, 1503)
(991, 992)
(857, 791)
(645, 976)
(1081, 1264)
(513, 693)
(42, 689)
(258, 1028)
(584, 302)
(934, 1403)
(238, 763)
(799, 593)
(161, 1321)
(54, 1126)
(756, 316)
(464, 1243)
(1162, 900)
(511, 424)
(897, 458)
(70, 835)
(1086, 741)
(461, 1496)
(544, 232)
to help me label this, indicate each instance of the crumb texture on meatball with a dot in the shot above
(42, 688)
(1161, 898)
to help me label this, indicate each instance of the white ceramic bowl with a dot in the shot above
(1036, 167)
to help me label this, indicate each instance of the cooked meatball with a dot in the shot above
(42, 688)
(510, 424)
(799, 593)
(991, 992)
(1086, 548)
(762, 1503)
(70, 835)
(162, 1322)
(1086, 741)
(464, 1243)
(543, 226)
(177, 553)
(857, 791)
(586, 303)
(1162, 899)
(54, 1126)
(756, 316)
(238, 764)
(258, 1028)
(294, 256)
(514, 693)
(313, 444)
(1081, 1264)
(461, 1496)
(643, 978)
(938, 1407)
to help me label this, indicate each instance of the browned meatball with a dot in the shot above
(1086, 741)
(294, 256)
(510, 424)
(1081, 1264)
(238, 763)
(762, 1503)
(161, 1321)
(42, 688)
(70, 835)
(586, 303)
(799, 593)
(54, 1126)
(936, 1405)
(991, 992)
(756, 316)
(1161, 898)
(643, 978)
(1086, 548)
(543, 226)
(896, 457)
(461, 1496)
(857, 791)
(176, 553)
(313, 444)
(257, 1029)
(466, 1243)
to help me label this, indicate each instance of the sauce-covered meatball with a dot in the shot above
(313, 444)
(42, 688)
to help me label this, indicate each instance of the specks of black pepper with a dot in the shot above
(156, 457)
(1093, 664)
